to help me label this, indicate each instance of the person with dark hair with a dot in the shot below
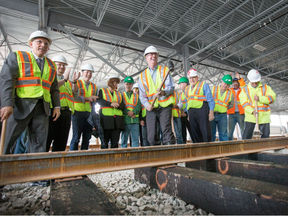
(111, 112)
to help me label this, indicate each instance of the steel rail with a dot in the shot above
(40, 166)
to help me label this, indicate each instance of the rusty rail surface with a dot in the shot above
(40, 166)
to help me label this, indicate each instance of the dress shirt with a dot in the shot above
(209, 97)
(169, 86)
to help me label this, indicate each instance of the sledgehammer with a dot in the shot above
(171, 68)
(257, 133)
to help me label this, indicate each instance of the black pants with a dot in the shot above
(112, 135)
(199, 123)
(185, 125)
(249, 128)
(58, 131)
(164, 114)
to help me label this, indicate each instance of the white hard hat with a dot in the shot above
(60, 58)
(87, 66)
(40, 34)
(151, 49)
(192, 73)
(254, 76)
(135, 85)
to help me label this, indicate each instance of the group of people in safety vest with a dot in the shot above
(36, 90)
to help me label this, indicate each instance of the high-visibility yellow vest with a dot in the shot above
(151, 88)
(143, 112)
(66, 96)
(184, 101)
(266, 96)
(117, 97)
(131, 103)
(195, 96)
(83, 91)
(221, 102)
(176, 112)
(30, 83)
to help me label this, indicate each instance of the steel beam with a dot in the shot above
(40, 166)
(90, 49)
(5, 36)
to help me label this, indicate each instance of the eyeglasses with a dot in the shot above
(61, 65)
(136, 88)
(151, 54)
(40, 42)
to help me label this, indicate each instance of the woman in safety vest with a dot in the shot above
(111, 112)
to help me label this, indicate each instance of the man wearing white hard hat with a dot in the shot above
(82, 106)
(28, 85)
(149, 83)
(111, 112)
(59, 130)
(263, 95)
(200, 106)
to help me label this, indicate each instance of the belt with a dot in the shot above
(65, 108)
(216, 113)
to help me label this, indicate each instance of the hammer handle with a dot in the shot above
(166, 75)
(3, 133)
(256, 109)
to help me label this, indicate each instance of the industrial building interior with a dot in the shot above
(215, 37)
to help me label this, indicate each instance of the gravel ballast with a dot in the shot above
(131, 196)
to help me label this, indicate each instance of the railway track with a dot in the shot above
(41, 166)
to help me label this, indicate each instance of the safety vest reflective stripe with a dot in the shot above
(150, 86)
(245, 104)
(196, 91)
(263, 108)
(51, 74)
(111, 111)
(127, 100)
(143, 110)
(32, 83)
(64, 95)
(27, 67)
(246, 90)
(46, 84)
(82, 89)
(28, 81)
(224, 103)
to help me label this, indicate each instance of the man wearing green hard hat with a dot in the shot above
(224, 100)
(183, 82)
(131, 114)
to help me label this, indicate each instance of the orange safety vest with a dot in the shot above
(240, 108)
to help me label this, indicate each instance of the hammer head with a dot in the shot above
(257, 134)
(171, 66)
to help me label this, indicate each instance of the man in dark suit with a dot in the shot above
(27, 86)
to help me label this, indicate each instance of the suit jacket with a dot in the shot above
(21, 106)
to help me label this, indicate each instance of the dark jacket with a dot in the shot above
(110, 122)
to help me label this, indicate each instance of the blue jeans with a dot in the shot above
(80, 127)
(233, 119)
(134, 129)
(178, 129)
(144, 136)
(22, 143)
(220, 121)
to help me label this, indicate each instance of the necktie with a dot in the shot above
(40, 63)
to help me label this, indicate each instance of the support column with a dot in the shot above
(186, 62)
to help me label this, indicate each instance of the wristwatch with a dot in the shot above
(74, 82)
(65, 80)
